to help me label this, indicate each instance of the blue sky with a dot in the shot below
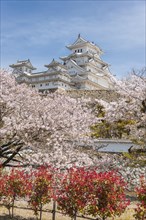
(40, 30)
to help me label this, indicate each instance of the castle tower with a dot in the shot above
(23, 66)
(85, 66)
(58, 75)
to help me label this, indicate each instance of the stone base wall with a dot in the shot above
(106, 95)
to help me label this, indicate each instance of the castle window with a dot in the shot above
(78, 51)
(81, 50)
(41, 85)
(75, 51)
(33, 86)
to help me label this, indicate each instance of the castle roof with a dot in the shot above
(21, 63)
(54, 63)
(73, 62)
(87, 53)
(75, 55)
(79, 42)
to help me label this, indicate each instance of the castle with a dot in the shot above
(83, 69)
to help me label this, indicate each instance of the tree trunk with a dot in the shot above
(41, 211)
(13, 206)
(54, 210)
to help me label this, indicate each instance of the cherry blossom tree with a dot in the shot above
(39, 129)
(52, 124)
(128, 111)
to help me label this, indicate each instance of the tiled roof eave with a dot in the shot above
(21, 65)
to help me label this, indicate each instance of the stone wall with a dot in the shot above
(107, 95)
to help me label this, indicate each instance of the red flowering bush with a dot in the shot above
(74, 191)
(14, 185)
(80, 191)
(92, 193)
(41, 192)
(107, 197)
(140, 211)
